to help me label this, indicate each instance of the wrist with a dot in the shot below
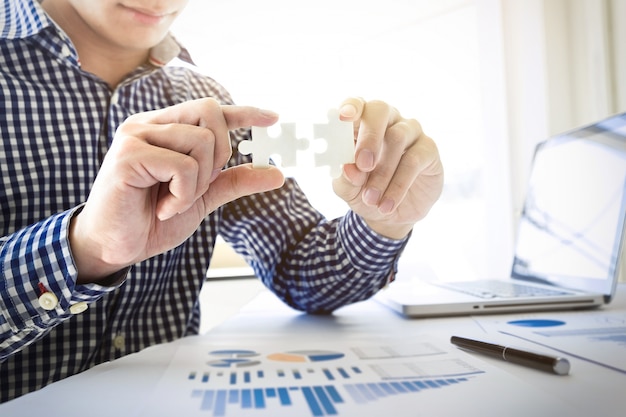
(390, 231)
(90, 267)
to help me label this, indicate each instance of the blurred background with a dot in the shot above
(487, 79)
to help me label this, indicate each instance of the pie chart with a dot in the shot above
(233, 363)
(233, 358)
(306, 356)
(234, 353)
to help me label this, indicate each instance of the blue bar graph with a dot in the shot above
(284, 397)
(246, 398)
(322, 400)
(236, 376)
(334, 395)
(259, 400)
(325, 401)
(207, 400)
(220, 403)
(364, 393)
(314, 406)
(343, 373)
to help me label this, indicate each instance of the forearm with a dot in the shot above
(312, 264)
(33, 261)
(334, 272)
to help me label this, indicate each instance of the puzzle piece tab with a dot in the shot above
(339, 137)
(286, 145)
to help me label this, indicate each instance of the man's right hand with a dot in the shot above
(161, 177)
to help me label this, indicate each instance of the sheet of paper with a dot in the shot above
(421, 376)
(598, 337)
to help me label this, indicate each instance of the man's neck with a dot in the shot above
(108, 65)
(108, 61)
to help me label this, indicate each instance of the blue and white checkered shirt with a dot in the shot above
(56, 124)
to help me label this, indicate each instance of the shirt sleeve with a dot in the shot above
(312, 264)
(34, 261)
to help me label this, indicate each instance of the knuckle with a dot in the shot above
(207, 138)
(188, 164)
(428, 145)
(129, 127)
(210, 102)
(411, 160)
(212, 108)
(126, 143)
(134, 118)
(415, 125)
(397, 136)
(378, 108)
(377, 103)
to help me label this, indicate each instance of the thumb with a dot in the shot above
(239, 181)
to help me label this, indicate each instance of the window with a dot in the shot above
(421, 56)
(444, 63)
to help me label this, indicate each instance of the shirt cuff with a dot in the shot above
(367, 250)
(38, 276)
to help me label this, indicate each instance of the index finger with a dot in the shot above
(245, 116)
(210, 114)
(206, 111)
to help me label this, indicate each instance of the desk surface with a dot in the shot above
(126, 386)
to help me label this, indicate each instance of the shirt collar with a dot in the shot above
(168, 49)
(23, 19)
(26, 18)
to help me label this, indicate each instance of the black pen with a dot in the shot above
(557, 365)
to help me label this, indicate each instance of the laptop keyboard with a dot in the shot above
(501, 289)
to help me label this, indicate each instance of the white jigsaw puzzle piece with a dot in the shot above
(337, 134)
(263, 146)
(339, 137)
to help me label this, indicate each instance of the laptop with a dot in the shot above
(569, 240)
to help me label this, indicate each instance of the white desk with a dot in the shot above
(104, 390)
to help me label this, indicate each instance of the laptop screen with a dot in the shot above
(572, 223)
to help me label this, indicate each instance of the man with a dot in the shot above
(118, 173)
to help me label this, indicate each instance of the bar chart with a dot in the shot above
(321, 400)
(307, 382)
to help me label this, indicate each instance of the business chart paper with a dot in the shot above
(595, 336)
(409, 379)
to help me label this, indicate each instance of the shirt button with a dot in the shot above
(78, 307)
(114, 99)
(65, 51)
(48, 301)
(119, 341)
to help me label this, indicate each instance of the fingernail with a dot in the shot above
(371, 196)
(365, 160)
(164, 215)
(348, 110)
